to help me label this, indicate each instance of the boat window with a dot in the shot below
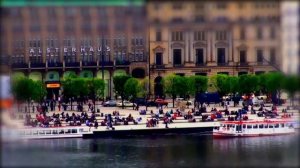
(34, 132)
(74, 130)
(68, 131)
(255, 126)
(244, 125)
(261, 126)
(282, 125)
(266, 125)
(48, 132)
(28, 132)
(54, 132)
(238, 127)
(271, 126)
(41, 132)
(22, 132)
(81, 130)
(276, 125)
(249, 126)
(61, 132)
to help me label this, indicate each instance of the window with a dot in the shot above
(272, 33)
(242, 33)
(244, 126)
(156, 6)
(259, 35)
(177, 20)
(201, 74)
(51, 12)
(259, 55)
(271, 126)
(266, 125)
(180, 74)
(261, 126)
(158, 58)
(69, 11)
(177, 56)
(158, 36)
(199, 6)
(85, 12)
(177, 5)
(177, 36)
(199, 18)
(221, 55)
(199, 56)
(249, 126)
(243, 57)
(221, 5)
(241, 5)
(276, 125)
(255, 126)
(272, 56)
(221, 35)
(199, 36)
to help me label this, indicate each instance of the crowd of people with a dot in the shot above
(43, 120)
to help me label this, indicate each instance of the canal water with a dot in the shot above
(193, 150)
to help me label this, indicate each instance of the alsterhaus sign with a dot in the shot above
(73, 49)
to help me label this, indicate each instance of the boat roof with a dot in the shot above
(257, 122)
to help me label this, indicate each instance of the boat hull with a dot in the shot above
(231, 135)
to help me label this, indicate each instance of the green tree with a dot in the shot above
(95, 88)
(81, 89)
(248, 83)
(132, 88)
(169, 86)
(222, 84)
(262, 83)
(39, 91)
(197, 84)
(23, 89)
(274, 83)
(234, 86)
(119, 89)
(176, 85)
(291, 85)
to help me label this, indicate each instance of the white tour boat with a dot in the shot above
(253, 128)
(52, 132)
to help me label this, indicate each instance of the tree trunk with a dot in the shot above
(71, 104)
(173, 100)
(122, 102)
(28, 106)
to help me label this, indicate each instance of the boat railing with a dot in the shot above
(52, 131)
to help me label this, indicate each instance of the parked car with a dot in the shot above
(140, 101)
(110, 103)
(151, 103)
(126, 104)
(161, 102)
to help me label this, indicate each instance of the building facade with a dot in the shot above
(48, 43)
(290, 16)
(211, 37)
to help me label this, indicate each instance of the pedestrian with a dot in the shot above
(166, 120)
(96, 124)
